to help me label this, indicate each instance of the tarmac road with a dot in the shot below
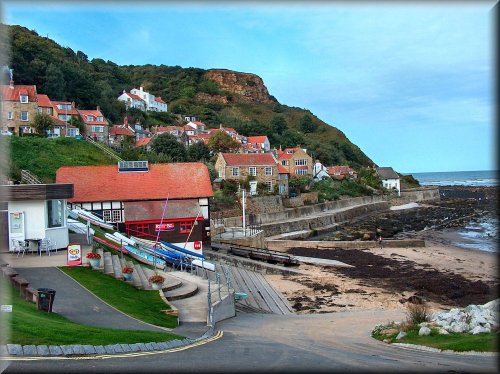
(275, 343)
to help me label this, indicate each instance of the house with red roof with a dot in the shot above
(61, 127)
(146, 199)
(256, 144)
(341, 172)
(152, 102)
(118, 134)
(144, 142)
(198, 126)
(96, 126)
(132, 101)
(296, 160)
(261, 167)
(19, 107)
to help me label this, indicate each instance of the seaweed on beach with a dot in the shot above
(404, 275)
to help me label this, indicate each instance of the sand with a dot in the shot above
(328, 289)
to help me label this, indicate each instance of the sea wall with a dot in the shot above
(417, 195)
(284, 245)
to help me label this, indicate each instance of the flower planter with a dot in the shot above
(127, 276)
(95, 262)
(157, 286)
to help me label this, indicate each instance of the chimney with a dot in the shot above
(98, 108)
(11, 83)
(123, 91)
(125, 121)
(220, 126)
(73, 105)
(142, 88)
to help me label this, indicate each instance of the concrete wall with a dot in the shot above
(418, 194)
(284, 245)
(256, 241)
(223, 309)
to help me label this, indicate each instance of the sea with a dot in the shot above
(481, 235)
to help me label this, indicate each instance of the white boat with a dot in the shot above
(93, 219)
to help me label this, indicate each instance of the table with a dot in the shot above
(32, 242)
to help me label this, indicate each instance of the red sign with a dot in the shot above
(74, 255)
(164, 227)
(197, 245)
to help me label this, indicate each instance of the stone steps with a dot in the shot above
(117, 267)
(108, 263)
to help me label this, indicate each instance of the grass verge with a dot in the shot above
(145, 305)
(31, 326)
(458, 342)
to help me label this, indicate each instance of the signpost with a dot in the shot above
(74, 255)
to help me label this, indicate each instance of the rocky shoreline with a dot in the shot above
(459, 206)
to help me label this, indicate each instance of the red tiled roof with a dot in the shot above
(64, 111)
(161, 129)
(338, 170)
(282, 169)
(230, 129)
(96, 113)
(158, 99)
(142, 142)
(44, 101)
(198, 123)
(284, 156)
(257, 139)
(12, 94)
(248, 159)
(119, 130)
(105, 183)
(133, 96)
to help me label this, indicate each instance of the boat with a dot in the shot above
(92, 218)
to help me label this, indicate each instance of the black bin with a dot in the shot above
(45, 299)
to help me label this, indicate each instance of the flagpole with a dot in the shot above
(158, 235)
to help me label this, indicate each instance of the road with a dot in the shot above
(293, 343)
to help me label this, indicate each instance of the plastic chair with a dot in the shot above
(45, 246)
(20, 247)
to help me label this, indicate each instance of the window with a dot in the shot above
(97, 128)
(100, 119)
(106, 215)
(117, 215)
(64, 106)
(301, 172)
(236, 172)
(300, 162)
(55, 213)
(284, 163)
(40, 110)
(72, 132)
(64, 117)
(10, 115)
(185, 227)
(48, 110)
(252, 170)
(269, 186)
(221, 173)
(269, 170)
(90, 118)
(24, 98)
(24, 116)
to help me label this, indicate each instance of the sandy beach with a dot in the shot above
(441, 274)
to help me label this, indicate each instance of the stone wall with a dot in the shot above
(295, 202)
(264, 204)
(417, 194)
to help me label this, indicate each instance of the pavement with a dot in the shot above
(79, 305)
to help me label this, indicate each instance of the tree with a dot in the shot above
(199, 151)
(222, 142)
(77, 122)
(278, 125)
(55, 85)
(42, 122)
(306, 124)
(168, 145)
(291, 138)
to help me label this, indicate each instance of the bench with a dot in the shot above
(20, 283)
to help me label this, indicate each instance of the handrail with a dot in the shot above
(104, 149)
(29, 178)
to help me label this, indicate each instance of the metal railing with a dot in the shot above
(105, 149)
(28, 177)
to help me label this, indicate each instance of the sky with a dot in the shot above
(411, 84)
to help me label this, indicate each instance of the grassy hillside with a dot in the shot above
(44, 156)
(64, 74)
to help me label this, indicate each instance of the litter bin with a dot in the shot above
(45, 299)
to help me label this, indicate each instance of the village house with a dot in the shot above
(60, 128)
(118, 134)
(296, 160)
(144, 142)
(389, 178)
(133, 195)
(132, 101)
(19, 107)
(238, 166)
(342, 172)
(152, 102)
(320, 171)
(96, 125)
(198, 126)
(256, 144)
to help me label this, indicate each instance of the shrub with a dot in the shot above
(127, 269)
(156, 279)
(417, 313)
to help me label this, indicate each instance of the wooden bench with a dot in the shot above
(31, 294)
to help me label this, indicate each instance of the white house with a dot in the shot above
(390, 179)
(320, 172)
(37, 211)
(198, 126)
(132, 101)
(153, 103)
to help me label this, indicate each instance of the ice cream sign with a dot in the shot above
(74, 255)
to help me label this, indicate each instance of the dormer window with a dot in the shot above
(90, 118)
(99, 119)
(23, 98)
(289, 152)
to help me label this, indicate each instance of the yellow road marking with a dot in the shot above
(217, 336)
